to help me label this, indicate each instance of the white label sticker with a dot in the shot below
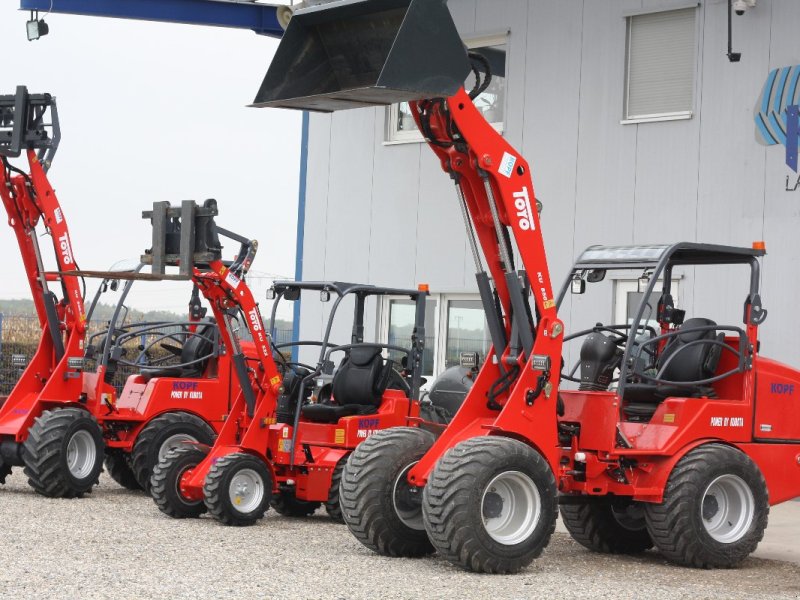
(232, 280)
(507, 164)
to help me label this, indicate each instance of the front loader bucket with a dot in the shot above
(354, 53)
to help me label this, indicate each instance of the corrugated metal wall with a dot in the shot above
(386, 214)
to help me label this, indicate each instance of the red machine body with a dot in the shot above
(685, 463)
(54, 378)
(302, 455)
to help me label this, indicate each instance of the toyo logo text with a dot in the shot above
(66, 250)
(182, 390)
(522, 203)
(255, 321)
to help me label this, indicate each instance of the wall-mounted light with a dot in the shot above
(36, 27)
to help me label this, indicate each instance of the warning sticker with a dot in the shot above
(339, 436)
(284, 445)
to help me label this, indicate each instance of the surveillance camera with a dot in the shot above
(741, 6)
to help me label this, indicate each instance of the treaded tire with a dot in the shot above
(45, 453)
(165, 481)
(594, 526)
(676, 524)
(118, 465)
(217, 487)
(148, 444)
(288, 505)
(367, 491)
(455, 499)
(332, 505)
(5, 471)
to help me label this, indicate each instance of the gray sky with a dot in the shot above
(153, 112)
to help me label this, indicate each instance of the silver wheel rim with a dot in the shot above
(174, 441)
(246, 490)
(727, 509)
(407, 500)
(81, 454)
(511, 507)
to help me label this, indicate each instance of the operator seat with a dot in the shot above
(196, 346)
(696, 362)
(358, 386)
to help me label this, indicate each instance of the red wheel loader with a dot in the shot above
(695, 452)
(59, 419)
(289, 451)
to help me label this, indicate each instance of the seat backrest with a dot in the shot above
(196, 346)
(698, 361)
(362, 377)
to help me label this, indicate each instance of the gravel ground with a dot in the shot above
(115, 543)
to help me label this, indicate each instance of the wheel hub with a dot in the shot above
(246, 490)
(492, 505)
(710, 507)
(81, 454)
(728, 509)
(407, 500)
(511, 507)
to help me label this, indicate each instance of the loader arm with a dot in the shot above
(377, 52)
(31, 203)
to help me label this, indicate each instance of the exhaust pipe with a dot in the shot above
(355, 53)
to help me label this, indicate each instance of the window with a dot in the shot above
(400, 124)
(660, 62)
(628, 297)
(400, 324)
(454, 323)
(466, 331)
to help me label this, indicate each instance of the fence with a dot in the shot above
(20, 334)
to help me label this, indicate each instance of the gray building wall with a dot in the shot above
(386, 214)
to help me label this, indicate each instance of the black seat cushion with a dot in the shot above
(362, 377)
(331, 413)
(696, 362)
(196, 346)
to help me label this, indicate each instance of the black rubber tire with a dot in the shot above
(148, 444)
(118, 465)
(5, 471)
(453, 507)
(676, 524)
(367, 491)
(45, 453)
(595, 526)
(332, 505)
(288, 505)
(217, 484)
(165, 479)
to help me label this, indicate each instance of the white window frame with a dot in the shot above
(439, 326)
(658, 117)
(393, 136)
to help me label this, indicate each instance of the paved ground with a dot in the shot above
(116, 544)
